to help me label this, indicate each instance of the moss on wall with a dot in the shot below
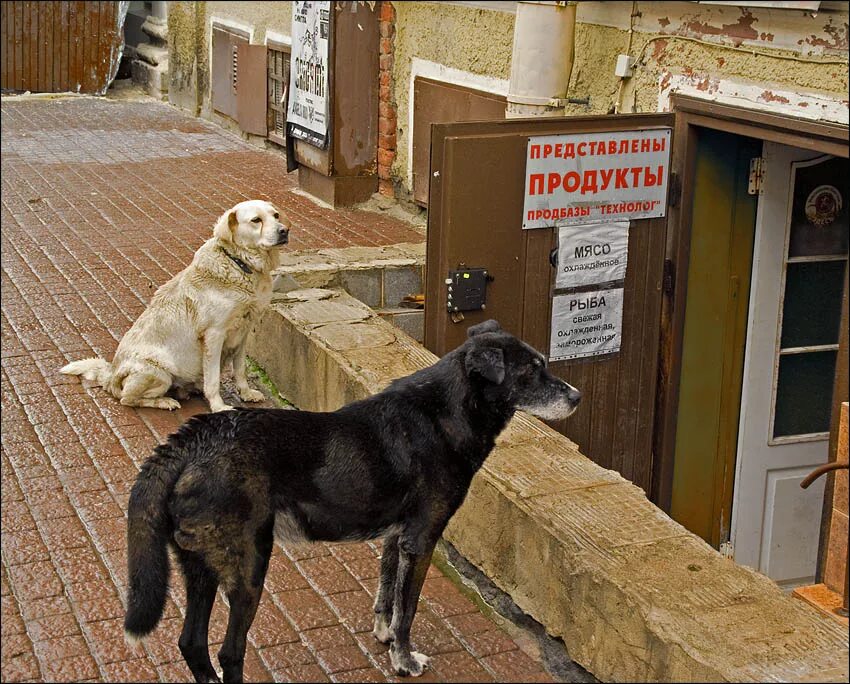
(186, 74)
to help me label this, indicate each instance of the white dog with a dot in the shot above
(200, 318)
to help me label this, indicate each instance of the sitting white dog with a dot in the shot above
(200, 318)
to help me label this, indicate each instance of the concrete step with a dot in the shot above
(379, 277)
(634, 595)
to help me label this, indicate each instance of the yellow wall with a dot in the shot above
(479, 41)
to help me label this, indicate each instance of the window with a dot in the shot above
(279, 62)
(813, 286)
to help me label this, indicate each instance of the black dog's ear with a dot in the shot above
(485, 327)
(488, 362)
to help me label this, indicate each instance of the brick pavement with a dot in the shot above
(101, 203)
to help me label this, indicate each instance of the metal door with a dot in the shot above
(475, 219)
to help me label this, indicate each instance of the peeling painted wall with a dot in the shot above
(737, 44)
(707, 47)
(473, 40)
(761, 55)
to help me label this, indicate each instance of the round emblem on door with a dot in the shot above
(823, 205)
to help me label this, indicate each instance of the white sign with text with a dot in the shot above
(596, 177)
(589, 254)
(586, 324)
(307, 106)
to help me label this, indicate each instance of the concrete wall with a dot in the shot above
(188, 55)
(634, 595)
(755, 57)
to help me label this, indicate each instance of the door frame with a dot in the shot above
(692, 113)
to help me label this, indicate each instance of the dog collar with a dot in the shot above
(245, 268)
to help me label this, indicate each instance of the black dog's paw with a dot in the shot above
(409, 663)
(381, 631)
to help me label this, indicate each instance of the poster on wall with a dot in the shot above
(586, 324)
(590, 254)
(307, 106)
(596, 177)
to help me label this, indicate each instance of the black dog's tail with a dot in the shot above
(149, 527)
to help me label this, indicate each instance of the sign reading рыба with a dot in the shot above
(592, 177)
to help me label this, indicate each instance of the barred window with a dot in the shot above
(279, 60)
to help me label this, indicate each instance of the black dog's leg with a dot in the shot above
(386, 590)
(201, 584)
(412, 566)
(244, 597)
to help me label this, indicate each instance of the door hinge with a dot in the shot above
(727, 549)
(675, 190)
(668, 282)
(756, 176)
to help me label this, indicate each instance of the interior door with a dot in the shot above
(723, 218)
(799, 264)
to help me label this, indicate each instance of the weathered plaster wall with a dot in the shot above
(777, 51)
(475, 40)
(187, 55)
(262, 16)
(659, 54)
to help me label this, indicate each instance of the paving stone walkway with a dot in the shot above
(102, 202)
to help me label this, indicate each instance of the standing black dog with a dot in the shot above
(396, 465)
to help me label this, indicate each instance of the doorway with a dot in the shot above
(765, 280)
(721, 250)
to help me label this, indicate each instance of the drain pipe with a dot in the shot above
(542, 59)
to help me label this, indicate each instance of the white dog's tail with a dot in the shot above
(91, 369)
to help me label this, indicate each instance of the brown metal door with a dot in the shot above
(52, 47)
(436, 102)
(475, 220)
(252, 82)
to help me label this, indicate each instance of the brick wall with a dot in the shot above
(387, 121)
(835, 562)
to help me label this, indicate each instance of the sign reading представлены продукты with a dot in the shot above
(596, 177)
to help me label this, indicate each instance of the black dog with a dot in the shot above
(396, 465)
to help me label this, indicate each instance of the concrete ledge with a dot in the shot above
(377, 276)
(634, 595)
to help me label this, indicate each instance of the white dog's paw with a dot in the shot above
(167, 403)
(220, 406)
(411, 663)
(249, 394)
